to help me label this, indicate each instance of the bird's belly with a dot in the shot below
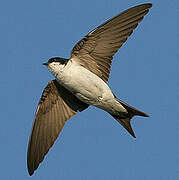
(85, 85)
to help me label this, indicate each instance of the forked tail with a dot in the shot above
(125, 119)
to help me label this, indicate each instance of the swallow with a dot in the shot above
(81, 81)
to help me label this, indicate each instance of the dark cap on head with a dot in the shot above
(56, 59)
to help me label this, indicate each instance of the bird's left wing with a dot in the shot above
(56, 106)
(95, 51)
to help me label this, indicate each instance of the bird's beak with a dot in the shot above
(46, 64)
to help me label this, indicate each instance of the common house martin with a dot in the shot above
(82, 81)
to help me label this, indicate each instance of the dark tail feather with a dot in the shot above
(125, 121)
(132, 110)
(126, 124)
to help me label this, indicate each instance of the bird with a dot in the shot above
(81, 81)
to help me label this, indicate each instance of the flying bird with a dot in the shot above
(82, 81)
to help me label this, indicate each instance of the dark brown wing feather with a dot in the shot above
(95, 51)
(56, 106)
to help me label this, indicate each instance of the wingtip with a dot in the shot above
(149, 5)
(31, 172)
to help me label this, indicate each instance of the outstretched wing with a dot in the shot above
(95, 51)
(56, 106)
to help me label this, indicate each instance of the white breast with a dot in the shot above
(84, 84)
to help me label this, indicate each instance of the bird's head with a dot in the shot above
(56, 64)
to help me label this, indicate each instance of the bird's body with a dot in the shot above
(82, 81)
(86, 86)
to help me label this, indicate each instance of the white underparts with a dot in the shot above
(86, 86)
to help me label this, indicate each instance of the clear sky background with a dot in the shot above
(92, 145)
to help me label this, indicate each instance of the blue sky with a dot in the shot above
(92, 144)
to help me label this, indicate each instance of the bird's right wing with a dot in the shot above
(56, 106)
(95, 51)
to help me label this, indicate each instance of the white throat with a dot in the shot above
(56, 68)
